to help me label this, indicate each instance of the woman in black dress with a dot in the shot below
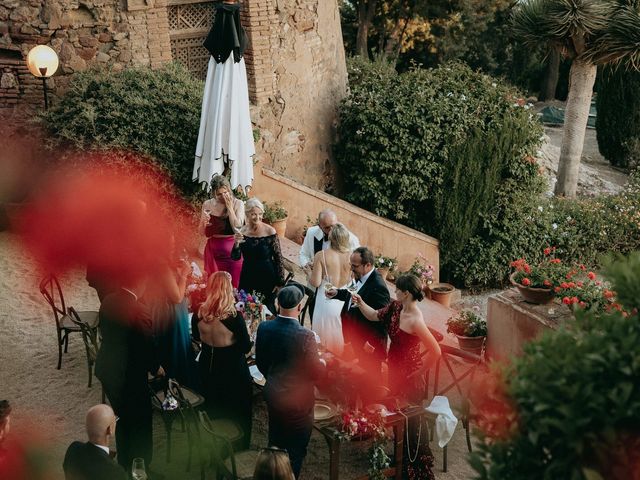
(223, 366)
(262, 268)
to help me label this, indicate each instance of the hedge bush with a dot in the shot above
(153, 112)
(434, 149)
(618, 119)
(522, 223)
(572, 401)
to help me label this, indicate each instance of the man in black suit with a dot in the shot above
(126, 356)
(91, 460)
(368, 339)
(287, 355)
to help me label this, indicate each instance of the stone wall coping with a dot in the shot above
(337, 202)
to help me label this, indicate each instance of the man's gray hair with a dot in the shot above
(326, 212)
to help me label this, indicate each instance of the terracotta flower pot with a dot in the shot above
(538, 296)
(441, 293)
(280, 226)
(471, 344)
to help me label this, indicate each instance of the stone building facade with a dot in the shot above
(295, 61)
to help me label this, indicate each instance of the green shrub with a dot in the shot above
(433, 149)
(153, 112)
(522, 223)
(618, 119)
(573, 399)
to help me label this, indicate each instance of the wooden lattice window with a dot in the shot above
(189, 23)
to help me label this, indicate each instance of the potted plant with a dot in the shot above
(537, 283)
(276, 216)
(582, 290)
(421, 269)
(470, 328)
(384, 265)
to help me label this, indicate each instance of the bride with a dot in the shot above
(331, 268)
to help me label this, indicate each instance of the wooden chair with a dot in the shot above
(463, 367)
(91, 339)
(188, 400)
(223, 459)
(52, 292)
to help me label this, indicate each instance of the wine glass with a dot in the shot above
(352, 288)
(138, 471)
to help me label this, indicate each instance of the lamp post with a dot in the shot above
(42, 61)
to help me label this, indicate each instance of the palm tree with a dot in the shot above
(590, 33)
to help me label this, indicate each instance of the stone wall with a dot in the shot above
(297, 96)
(295, 64)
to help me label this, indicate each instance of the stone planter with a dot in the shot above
(538, 296)
(471, 344)
(441, 293)
(280, 226)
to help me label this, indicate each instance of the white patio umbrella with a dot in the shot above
(226, 134)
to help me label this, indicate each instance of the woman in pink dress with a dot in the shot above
(222, 216)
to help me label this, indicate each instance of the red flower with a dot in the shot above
(527, 268)
(566, 300)
(564, 285)
(526, 282)
(580, 284)
(572, 285)
(582, 304)
(546, 283)
(591, 275)
(583, 268)
(547, 251)
(609, 294)
(575, 299)
(555, 260)
(557, 289)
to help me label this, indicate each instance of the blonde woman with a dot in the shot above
(259, 247)
(223, 366)
(273, 464)
(331, 268)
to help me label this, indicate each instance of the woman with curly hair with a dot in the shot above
(224, 372)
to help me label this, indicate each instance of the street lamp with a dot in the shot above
(43, 63)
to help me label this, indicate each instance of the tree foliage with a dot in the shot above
(433, 148)
(618, 120)
(153, 112)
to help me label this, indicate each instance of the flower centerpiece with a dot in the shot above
(251, 307)
(537, 283)
(385, 264)
(470, 328)
(360, 425)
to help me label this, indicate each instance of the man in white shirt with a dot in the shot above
(316, 239)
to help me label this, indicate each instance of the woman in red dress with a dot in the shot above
(222, 216)
(408, 331)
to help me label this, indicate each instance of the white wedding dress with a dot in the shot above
(327, 322)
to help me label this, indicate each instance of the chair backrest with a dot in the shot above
(52, 292)
(462, 367)
(90, 335)
(220, 449)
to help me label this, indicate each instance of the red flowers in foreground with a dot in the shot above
(526, 282)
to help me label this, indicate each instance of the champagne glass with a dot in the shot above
(352, 287)
(327, 284)
(138, 471)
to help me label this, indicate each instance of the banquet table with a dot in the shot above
(397, 421)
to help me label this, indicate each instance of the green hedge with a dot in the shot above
(434, 149)
(570, 406)
(522, 223)
(153, 112)
(618, 119)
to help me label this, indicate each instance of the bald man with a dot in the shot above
(91, 460)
